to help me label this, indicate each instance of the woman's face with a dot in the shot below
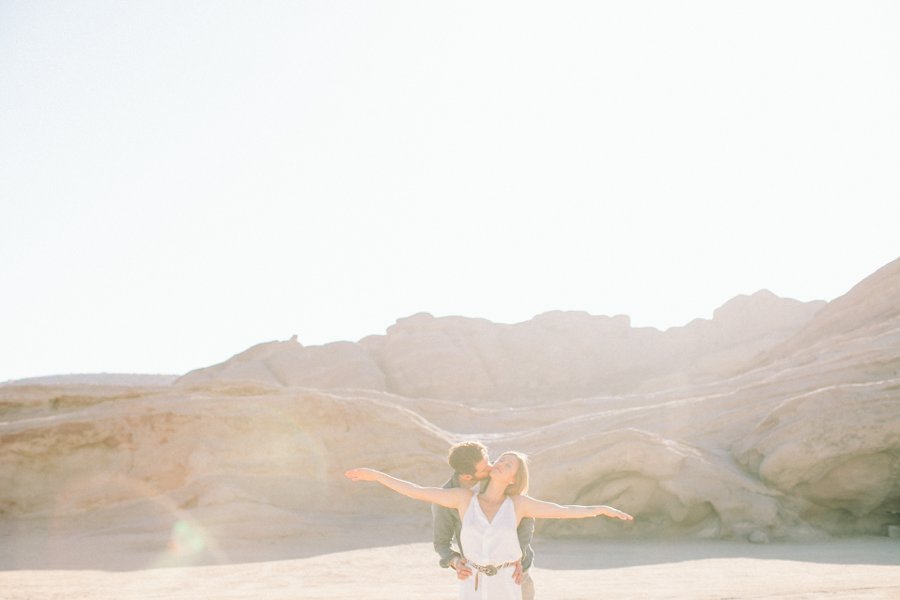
(505, 468)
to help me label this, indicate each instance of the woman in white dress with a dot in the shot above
(489, 519)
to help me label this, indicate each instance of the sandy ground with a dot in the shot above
(866, 568)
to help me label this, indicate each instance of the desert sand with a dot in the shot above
(582, 570)
(759, 452)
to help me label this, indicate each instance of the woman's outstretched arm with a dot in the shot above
(450, 497)
(540, 509)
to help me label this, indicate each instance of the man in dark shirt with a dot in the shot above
(470, 464)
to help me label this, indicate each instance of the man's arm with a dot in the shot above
(526, 533)
(444, 532)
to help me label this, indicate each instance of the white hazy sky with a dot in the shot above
(180, 179)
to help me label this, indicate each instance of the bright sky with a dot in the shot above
(181, 180)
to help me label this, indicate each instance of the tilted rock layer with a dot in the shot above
(774, 420)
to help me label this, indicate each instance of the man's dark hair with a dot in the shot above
(464, 456)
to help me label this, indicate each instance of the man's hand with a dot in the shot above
(517, 573)
(463, 572)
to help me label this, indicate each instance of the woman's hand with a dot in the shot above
(615, 513)
(361, 475)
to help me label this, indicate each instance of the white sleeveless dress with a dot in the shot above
(490, 543)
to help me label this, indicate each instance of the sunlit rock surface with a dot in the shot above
(554, 356)
(774, 420)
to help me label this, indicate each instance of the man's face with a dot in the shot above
(482, 470)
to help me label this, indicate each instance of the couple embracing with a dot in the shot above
(486, 511)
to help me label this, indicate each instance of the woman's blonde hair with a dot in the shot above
(520, 484)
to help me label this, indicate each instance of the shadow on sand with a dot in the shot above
(36, 545)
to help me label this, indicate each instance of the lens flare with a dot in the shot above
(186, 539)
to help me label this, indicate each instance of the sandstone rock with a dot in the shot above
(331, 366)
(758, 537)
(680, 428)
(554, 356)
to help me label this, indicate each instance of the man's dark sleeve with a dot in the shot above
(444, 532)
(526, 532)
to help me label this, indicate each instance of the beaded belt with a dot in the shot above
(489, 570)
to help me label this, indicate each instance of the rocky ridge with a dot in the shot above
(760, 424)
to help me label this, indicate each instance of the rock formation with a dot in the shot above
(554, 356)
(774, 420)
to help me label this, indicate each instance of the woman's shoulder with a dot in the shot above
(519, 499)
(465, 494)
